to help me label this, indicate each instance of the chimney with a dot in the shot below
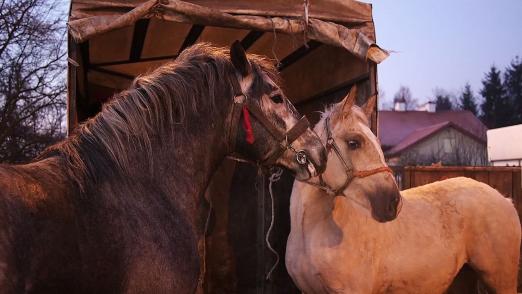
(429, 106)
(399, 104)
(432, 106)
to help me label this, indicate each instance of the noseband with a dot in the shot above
(285, 140)
(347, 165)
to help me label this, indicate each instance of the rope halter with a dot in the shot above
(347, 165)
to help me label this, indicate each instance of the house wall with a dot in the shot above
(501, 151)
(449, 147)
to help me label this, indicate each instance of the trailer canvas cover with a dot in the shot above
(321, 21)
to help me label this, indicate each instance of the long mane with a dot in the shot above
(154, 105)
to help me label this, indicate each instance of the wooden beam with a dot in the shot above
(251, 38)
(138, 38)
(330, 91)
(260, 234)
(374, 91)
(110, 72)
(165, 57)
(85, 63)
(72, 93)
(192, 37)
(108, 80)
(298, 54)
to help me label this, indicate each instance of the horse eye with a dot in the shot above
(353, 144)
(277, 98)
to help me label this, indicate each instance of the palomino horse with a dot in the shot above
(118, 206)
(336, 246)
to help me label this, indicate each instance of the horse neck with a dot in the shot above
(312, 207)
(179, 158)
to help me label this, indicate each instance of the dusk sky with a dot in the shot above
(444, 44)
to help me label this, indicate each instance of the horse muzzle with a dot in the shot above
(310, 159)
(386, 205)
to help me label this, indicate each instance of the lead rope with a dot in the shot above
(274, 177)
(201, 280)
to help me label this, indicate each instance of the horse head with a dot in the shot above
(264, 126)
(356, 165)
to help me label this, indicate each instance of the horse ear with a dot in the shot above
(349, 100)
(239, 59)
(369, 106)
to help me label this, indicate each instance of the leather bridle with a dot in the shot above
(285, 139)
(347, 165)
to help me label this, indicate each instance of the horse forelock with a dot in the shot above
(333, 112)
(154, 104)
(355, 120)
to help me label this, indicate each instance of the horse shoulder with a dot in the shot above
(39, 187)
(33, 216)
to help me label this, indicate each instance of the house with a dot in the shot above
(425, 137)
(505, 146)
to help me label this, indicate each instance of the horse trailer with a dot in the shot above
(321, 48)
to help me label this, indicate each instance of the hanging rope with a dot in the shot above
(306, 22)
(201, 279)
(274, 43)
(274, 177)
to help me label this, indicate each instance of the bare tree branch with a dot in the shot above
(32, 77)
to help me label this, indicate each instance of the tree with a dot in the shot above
(442, 101)
(32, 77)
(467, 100)
(404, 95)
(513, 89)
(495, 109)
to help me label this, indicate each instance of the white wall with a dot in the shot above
(505, 145)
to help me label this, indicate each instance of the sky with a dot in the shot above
(444, 44)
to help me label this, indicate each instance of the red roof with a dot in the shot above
(399, 130)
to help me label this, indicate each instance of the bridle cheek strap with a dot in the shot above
(286, 142)
(244, 105)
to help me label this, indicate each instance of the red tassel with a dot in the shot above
(247, 125)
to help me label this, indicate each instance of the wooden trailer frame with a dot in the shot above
(321, 47)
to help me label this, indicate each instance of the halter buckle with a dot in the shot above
(329, 142)
(301, 158)
(240, 99)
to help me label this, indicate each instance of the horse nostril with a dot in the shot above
(318, 158)
(392, 206)
(323, 156)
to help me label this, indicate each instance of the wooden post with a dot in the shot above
(374, 91)
(72, 93)
(260, 236)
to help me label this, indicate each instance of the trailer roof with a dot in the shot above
(343, 23)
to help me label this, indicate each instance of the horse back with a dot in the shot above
(54, 239)
(471, 210)
(462, 191)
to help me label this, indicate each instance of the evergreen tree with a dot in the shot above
(495, 109)
(513, 89)
(443, 102)
(467, 100)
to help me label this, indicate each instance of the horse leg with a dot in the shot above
(496, 262)
(465, 282)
